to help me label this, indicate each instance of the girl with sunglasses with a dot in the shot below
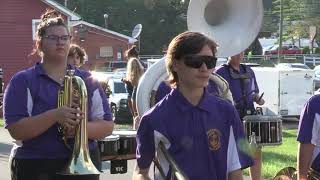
(200, 131)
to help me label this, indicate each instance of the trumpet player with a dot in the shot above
(199, 130)
(30, 108)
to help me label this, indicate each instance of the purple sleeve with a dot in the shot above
(241, 141)
(145, 144)
(99, 101)
(307, 119)
(15, 100)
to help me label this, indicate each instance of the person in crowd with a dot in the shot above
(33, 117)
(201, 132)
(245, 92)
(309, 139)
(76, 56)
(135, 70)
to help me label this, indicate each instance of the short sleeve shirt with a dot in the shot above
(202, 139)
(250, 87)
(32, 92)
(309, 125)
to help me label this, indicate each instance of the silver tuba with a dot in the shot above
(233, 24)
(80, 162)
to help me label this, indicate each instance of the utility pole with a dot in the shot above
(280, 30)
(106, 16)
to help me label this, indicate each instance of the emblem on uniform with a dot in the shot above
(214, 139)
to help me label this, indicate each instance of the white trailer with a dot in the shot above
(285, 90)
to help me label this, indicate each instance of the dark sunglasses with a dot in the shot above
(196, 61)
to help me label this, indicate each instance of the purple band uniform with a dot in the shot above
(250, 86)
(309, 127)
(32, 92)
(201, 139)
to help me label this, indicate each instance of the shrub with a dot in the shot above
(317, 50)
(306, 50)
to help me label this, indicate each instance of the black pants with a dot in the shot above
(46, 169)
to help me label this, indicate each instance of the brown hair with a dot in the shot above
(76, 49)
(49, 18)
(186, 43)
(132, 52)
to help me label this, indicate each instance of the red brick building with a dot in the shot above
(18, 22)
(101, 45)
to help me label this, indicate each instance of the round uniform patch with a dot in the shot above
(214, 139)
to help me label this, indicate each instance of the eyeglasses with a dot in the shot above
(56, 38)
(196, 61)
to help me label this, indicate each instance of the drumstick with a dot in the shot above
(260, 97)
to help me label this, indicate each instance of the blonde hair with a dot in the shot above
(134, 71)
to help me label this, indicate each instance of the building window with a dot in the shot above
(35, 23)
(106, 51)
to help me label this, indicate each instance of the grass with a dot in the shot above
(278, 157)
(274, 158)
(1, 122)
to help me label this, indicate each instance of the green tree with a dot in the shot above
(161, 19)
(299, 15)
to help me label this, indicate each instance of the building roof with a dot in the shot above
(72, 15)
(130, 39)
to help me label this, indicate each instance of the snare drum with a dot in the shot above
(268, 129)
(127, 142)
(109, 146)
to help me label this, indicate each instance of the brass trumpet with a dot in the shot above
(290, 173)
(80, 162)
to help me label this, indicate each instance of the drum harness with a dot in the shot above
(244, 79)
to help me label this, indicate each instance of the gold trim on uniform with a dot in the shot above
(214, 139)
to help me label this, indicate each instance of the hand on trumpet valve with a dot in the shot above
(68, 118)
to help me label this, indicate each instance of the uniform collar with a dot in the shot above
(40, 71)
(184, 105)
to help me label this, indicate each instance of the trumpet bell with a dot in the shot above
(232, 24)
(288, 173)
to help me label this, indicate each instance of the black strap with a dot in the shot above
(243, 78)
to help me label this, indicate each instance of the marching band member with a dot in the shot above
(200, 131)
(76, 56)
(31, 114)
(245, 92)
(309, 138)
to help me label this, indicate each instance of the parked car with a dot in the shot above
(286, 49)
(292, 65)
(113, 65)
(118, 101)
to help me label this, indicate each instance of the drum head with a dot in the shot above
(253, 118)
(125, 133)
(112, 137)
